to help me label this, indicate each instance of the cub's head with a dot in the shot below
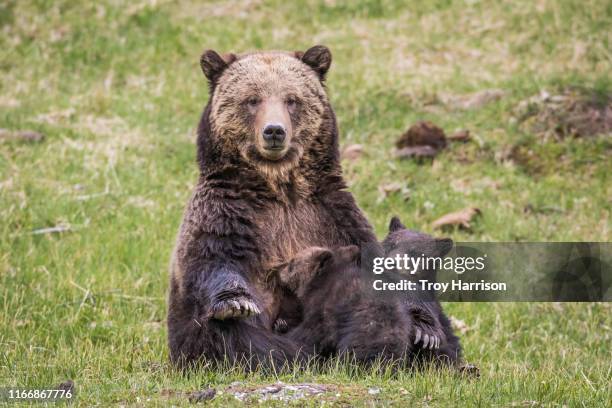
(266, 107)
(297, 274)
(401, 240)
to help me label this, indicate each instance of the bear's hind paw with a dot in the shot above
(235, 308)
(430, 341)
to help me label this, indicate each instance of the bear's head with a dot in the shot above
(406, 241)
(267, 108)
(403, 241)
(307, 265)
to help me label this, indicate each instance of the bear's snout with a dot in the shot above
(273, 124)
(274, 136)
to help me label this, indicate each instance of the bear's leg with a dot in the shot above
(195, 340)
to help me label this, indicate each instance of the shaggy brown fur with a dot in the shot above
(250, 210)
(336, 311)
(403, 240)
(342, 317)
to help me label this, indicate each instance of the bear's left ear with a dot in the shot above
(318, 58)
(395, 224)
(214, 64)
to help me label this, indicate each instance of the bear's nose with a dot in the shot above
(274, 135)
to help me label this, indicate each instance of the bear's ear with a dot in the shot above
(443, 246)
(214, 64)
(396, 224)
(318, 58)
(322, 258)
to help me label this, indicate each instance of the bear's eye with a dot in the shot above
(252, 101)
(291, 102)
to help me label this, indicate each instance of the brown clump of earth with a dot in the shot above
(423, 133)
(572, 113)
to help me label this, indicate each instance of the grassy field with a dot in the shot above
(116, 90)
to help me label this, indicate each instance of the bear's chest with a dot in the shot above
(285, 230)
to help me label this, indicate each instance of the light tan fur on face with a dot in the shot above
(271, 77)
(272, 110)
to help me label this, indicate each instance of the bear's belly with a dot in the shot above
(286, 231)
(282, 233)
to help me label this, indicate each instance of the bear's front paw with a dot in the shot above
(235, 308)
(280, 326)
(428, 337)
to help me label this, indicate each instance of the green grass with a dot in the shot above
(117, 90)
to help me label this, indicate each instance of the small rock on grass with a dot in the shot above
(279, 391)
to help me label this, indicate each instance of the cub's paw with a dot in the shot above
(280, 326)
(427, 337)
(428, 333)
(235, 308)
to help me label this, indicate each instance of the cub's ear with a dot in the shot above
(348, 253)
(214, 64)
(395, 224)
(318, 58)
(321, 258)
(443, 246)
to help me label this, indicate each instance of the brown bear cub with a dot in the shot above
(403, 240)
(337, 313)
(339, 317)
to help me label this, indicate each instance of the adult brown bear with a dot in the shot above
(270, 185)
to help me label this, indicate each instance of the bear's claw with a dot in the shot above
(428, 340)
(235, 308)
(280, 326)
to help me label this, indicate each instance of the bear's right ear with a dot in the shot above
(396, 225)
(214, 64)
(443, 246)
(318, 58)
